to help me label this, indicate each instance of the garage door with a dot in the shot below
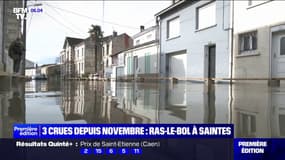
(178, 66)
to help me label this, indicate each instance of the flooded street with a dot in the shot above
(255, 109)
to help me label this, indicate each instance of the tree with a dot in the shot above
(97, 35)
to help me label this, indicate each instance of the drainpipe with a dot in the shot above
(232, 42)
(231, 74)
(159, 45)
(158, 37)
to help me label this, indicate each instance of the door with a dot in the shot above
(212, 62)
(278, 55)
(177, 66)
(147, 63)
(129, 66)
(135, 66)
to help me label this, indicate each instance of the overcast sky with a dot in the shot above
(46, 31)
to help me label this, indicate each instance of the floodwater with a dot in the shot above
(256, 110)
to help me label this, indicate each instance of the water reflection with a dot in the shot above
(12, 105)
(256, 109)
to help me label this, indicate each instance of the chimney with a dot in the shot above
(115, 33)
(142, 28)
(174, 1)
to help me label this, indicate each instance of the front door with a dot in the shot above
(212, 62)
(278, 55)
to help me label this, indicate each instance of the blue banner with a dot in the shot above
(259, 149)
(76, 131)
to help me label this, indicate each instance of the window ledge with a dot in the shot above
(168, 39)
(202, 29)
(249, 54)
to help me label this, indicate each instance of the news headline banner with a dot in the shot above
(35, 131)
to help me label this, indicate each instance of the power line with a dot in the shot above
(64, 18)
(85, 16)
(62, 24)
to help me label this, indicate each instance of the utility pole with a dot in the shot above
(25, 36)
(24, 40)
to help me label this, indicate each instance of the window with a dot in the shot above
(282, 46)
(147, 63)
(79, 68)
(173, 28)
(247, 42)
(137, 42)
(82, 51)
(206, 15)
(107, 49)
(130, 65)
(148, 36)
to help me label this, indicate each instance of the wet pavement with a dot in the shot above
(255, 109)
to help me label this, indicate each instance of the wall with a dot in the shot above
(89, 65)
(194, 41)
(141, 54)
(247, 19)
(145, 37)
(30, 72)
(12, 29)
(79, 59)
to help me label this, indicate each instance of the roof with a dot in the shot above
(72, 41)
(137, 46)
(174, 6)
(46, 65)
(144, 31)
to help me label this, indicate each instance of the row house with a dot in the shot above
(141, 60)
(222, 40)
(113, 44)
(84, 60)
(195, 40)
(259, 53)
(83, 57)
(259, 44)
(67, 56)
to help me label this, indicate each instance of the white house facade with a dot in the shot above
(142, 59)
(67, 57)
(79, 59)
(259, 44)
(194, 40)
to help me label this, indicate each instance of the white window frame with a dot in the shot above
(203, 24)
(170, 25)
(252, 36)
